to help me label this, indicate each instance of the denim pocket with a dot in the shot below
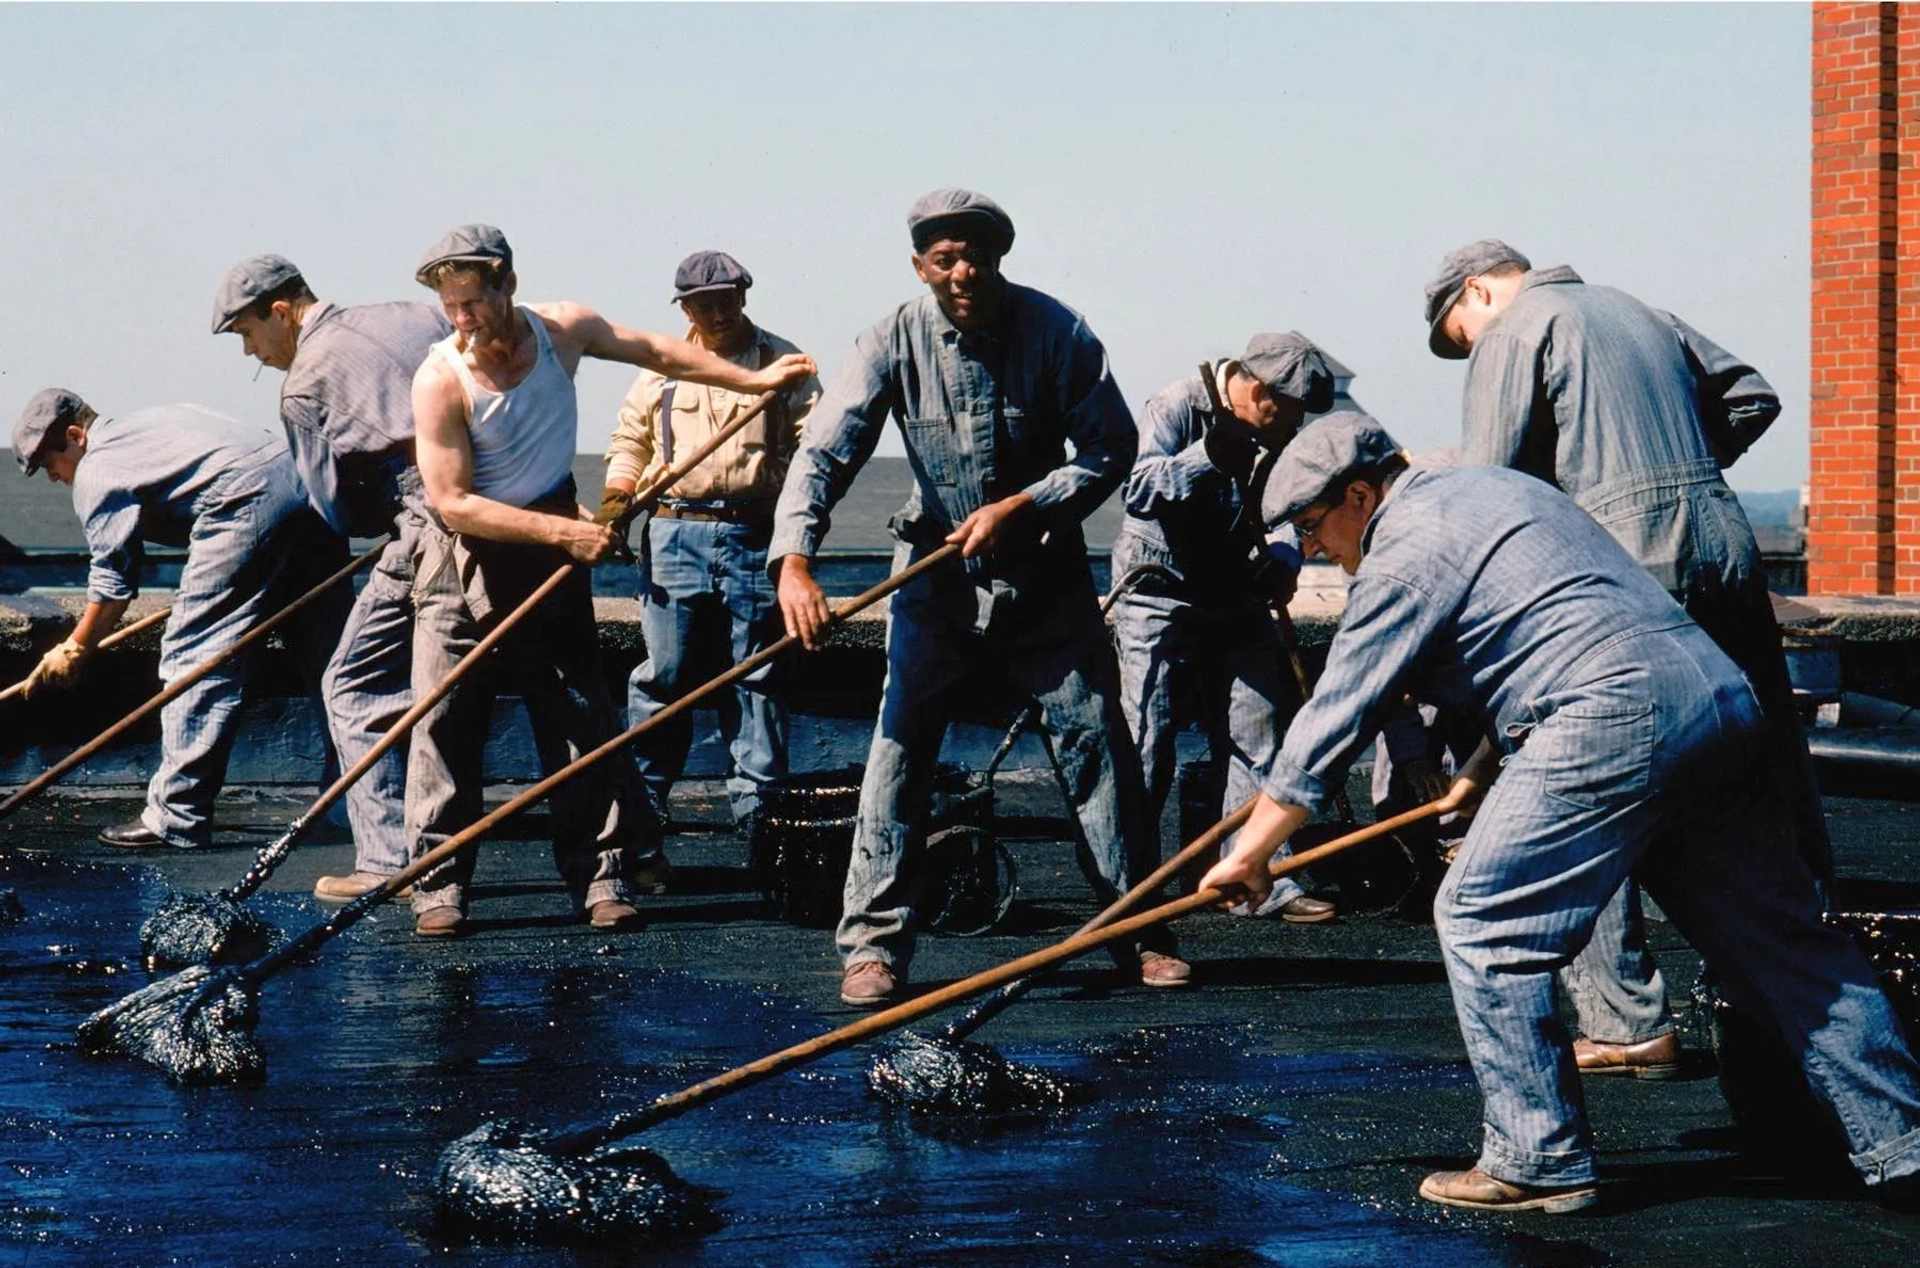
(930, 443)
(1592, 756)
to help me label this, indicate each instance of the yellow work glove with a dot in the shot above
(60, 667)
(613, 508)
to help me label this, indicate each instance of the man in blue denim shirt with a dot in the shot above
(1197, 578)
(1633, 413)
(990, 383)
(1631, 742)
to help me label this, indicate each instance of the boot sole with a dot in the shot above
(1651, 1073)
(1562, 1203)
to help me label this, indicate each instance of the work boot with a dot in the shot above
(1478, 1191)
(440, 922)
(613, 913)
(1160, 969)
(132, 836)
(1657, 1058)
(868, 984)
(344, 889)
(1305, 911)
(651, 875)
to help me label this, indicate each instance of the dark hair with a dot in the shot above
(1506, 268)
(294, 291)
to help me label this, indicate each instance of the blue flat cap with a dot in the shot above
(1444, 290)
(1291, 366)
(708, 271)
(476, 243)
(962, 214)
(53, 410)
(1324, 451)
(246, 283)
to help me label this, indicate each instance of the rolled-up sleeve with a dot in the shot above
(1496, 409)
(111, 521)
(840, 436)
(1096, 420)
(1388, 623)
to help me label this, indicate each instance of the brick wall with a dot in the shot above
(1863, 521)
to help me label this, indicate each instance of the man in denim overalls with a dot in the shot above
(990, 383)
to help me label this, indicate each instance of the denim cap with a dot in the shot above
(959, 213)
(477, 243)
(1291, 366)
(53, 410)
(1313, 461)
(708, 271)
(1444, 290)
(246, 284)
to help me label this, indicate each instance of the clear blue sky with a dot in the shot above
(1182, 174)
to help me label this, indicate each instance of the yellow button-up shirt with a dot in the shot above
(748, 467)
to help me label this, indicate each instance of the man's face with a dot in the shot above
(720, 317)
(60, 464)
(270, 339)
(1482, 299)
(1335, 529)
(1274, 418)
(482, 314)
(964, 279)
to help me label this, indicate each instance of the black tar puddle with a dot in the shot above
(380, 1054)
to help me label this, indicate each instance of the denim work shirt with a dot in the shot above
(146, 476)
(1481, 589)
(347, 406)
(986, 414)
(1588, 388)
(1186, 515)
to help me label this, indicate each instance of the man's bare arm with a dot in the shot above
(445, 455)
(578, 331)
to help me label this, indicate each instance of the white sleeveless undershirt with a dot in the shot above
(523, 438)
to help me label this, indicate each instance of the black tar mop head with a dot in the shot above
(195, 1027)
(203, 929)
(958, 1077)
(499, 1181)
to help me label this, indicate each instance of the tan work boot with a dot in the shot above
(1162, 970)
(344, 889)
(440, 922)
(1657, 1058)
(1305, 910)
(613, 913)
(1478, 1191)
(868, 984)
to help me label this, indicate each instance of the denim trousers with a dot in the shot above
(1657, 766)
(705, 586)
(1050, 643)
(1234, 651)
(254, 548)
(552, 659)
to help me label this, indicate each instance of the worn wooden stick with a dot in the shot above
(119, 636)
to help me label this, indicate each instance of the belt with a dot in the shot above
(755, 514)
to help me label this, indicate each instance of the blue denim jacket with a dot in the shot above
(1483, 590)
(1589, 388)
(1182, 510)
(986, 414)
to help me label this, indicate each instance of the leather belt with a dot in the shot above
(752, 514)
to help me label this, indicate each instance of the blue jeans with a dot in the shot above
(1050, 642)
(706, 583)
(255, 547)
(1660, 769)
(1236, 653)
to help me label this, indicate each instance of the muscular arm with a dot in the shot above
(445, 454)
(578, 332)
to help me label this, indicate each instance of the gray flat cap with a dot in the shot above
(477, 243)
(959, 213)
(1325, 450)
(55, 409)
(1462, 263)
(708, 271)
(245, 284)
(1291, 366)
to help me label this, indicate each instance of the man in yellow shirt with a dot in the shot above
(703, 554)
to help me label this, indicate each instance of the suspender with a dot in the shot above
(666, 422)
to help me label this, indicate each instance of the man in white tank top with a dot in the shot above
(496, 428)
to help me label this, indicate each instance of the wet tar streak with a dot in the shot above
(960, 1077)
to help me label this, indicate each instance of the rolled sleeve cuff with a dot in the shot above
(1295, 786)
(624, 466)
(792, 540)
(108, 587)
(1048, 492)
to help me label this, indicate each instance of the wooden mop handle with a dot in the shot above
(114, 639)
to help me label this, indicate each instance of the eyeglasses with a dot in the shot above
(1309, 532)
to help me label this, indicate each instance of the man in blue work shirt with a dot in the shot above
(1631, 743)
(180, 475)
(1633, 413)
(1197, 579)
(990, 382)
(347, 407)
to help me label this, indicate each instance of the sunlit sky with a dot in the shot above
(1182, 174)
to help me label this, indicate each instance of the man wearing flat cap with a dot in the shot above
(1197, 578)
(1628, 741)
(1633, 413)
(347, 409)
(991, 384)
(498, 424)
(181, 475)
(703, 552)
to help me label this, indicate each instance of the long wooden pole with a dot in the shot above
(112, 640)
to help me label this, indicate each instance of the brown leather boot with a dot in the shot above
(1657, 1058)
(868, 984)
(1478, 1191)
